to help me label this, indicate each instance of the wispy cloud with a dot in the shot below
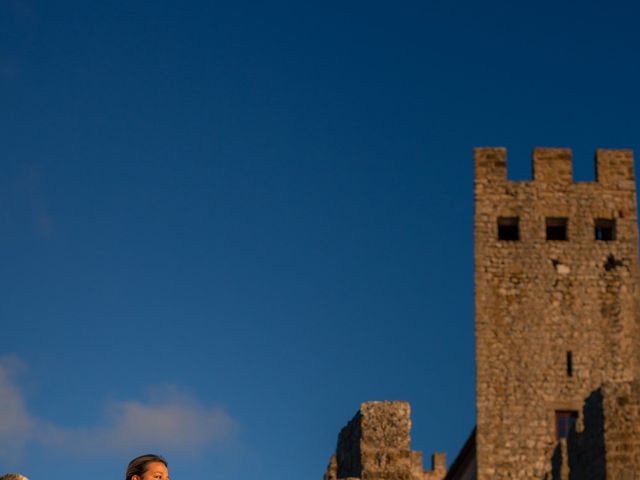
(16, 424)
(168, 420)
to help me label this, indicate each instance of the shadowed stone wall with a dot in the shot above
(375, 445)
(609, 445)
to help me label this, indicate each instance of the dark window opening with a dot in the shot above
(605, 229)
(508, 228)
(569, 364)
(556, 228)
(565, 422)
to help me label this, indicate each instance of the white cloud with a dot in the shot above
(170, 420)
(16, 425)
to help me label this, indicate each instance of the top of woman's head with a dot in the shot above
(13, 476)
(139, 465)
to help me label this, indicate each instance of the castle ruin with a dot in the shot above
(556, 326)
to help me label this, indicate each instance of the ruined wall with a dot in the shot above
(555, 319)
(376, 445)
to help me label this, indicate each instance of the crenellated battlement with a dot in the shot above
(375, 444)
(490, 163)
(555, 165)
(614, 166)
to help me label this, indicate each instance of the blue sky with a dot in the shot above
(227, 224)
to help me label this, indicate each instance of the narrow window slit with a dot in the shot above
(565, 422)
(569, 364)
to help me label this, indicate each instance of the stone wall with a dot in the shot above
(555, 319)
(376, 445)
(621, 405)
(608, 446)
(586, 449)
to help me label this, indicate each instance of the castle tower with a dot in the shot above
(555, 303)
(376, 445)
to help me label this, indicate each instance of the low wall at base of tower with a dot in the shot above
(376, 445)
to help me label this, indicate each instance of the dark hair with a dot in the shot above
(138, 466)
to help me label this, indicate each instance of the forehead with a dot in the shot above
(155, 467)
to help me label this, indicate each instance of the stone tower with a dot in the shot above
(376, 445)
(556, 292)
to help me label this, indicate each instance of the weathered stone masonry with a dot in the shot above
(557, 342)
(555, 318)
(375, 445)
